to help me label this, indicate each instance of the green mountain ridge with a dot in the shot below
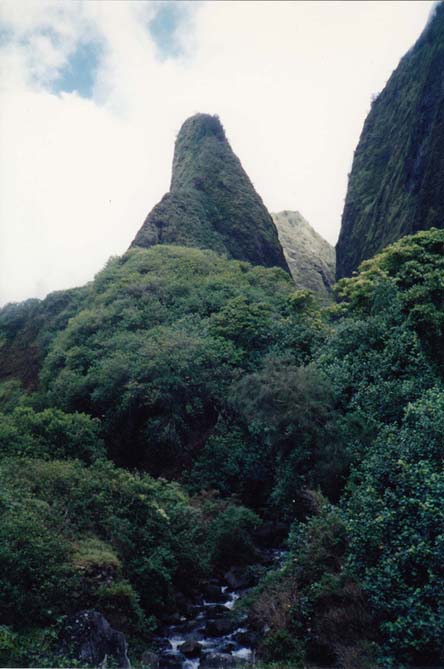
(396, 185)
(159, 424)
(212, 203)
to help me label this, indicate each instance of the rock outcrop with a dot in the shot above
(396, 186)
(310, 258)
(212, 203)
(88, 638)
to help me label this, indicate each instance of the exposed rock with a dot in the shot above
(228, 647)
(184, 604)
(150, 660)
(247, 638)
(218, 610)
(191, 648)
(311, 259)
(218, 661)
(171, 662)
(88, 637)
(220, 627)
(161, 644)
(396, 186)
(171, 618)
(239, 578)
(214, 593)
(212, 203)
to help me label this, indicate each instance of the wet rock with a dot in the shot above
(227, 647)
(247, 638)
(218, 661)
(184, 603)
(220, 627)
(89, 638)
(171, 618)
(161, 644)
(213, 593)
(239, 578)
(150, 660)
(171, 662)
(191, 648)
(217, 611)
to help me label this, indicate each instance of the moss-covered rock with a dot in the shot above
(212, 203)
(311, 259)
(396, 185)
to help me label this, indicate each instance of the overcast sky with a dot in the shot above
(92, 96)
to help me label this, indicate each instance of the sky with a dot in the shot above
(92, 95)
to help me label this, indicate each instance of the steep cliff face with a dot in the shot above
(396, 185)
(212, 203)
(311, 259)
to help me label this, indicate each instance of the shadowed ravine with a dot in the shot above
(212, 634)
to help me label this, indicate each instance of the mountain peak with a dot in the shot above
(198, 134)
(310, 257)
(212, 202)
(201, 125)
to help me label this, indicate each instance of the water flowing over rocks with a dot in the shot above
(212, 634)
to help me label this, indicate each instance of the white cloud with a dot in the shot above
(291, 82)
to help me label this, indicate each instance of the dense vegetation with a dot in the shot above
(367, 572)
(250, 403)
(396, 183)
(212, 203)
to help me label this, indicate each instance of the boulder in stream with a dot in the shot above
(218, 661)
(247, 638)
(190, 648)
(239, 578)
(220, 627)
(89, 638)
(171, 662)
(214, 593)
(150, 660)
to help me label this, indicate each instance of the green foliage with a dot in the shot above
(378, 358)
(281, 646)
(74, 537)
(368, 572)
(11, 395)
(220, 375)
(395, 524)
(26, 330)
(166, 333)
(229, 536)
(412, 269)
(119, 602)
(34, 557)
(50, 434)
(74, 526)
(234, 464)
(311, 606)
(287, 410)
(33, 648)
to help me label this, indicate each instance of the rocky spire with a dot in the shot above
(212, 202)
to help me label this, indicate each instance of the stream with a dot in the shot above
(209, 636)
